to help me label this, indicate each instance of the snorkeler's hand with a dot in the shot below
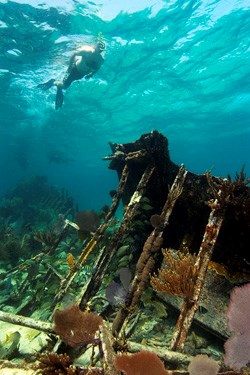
(89, 75)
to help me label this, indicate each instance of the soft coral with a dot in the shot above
(237, 347)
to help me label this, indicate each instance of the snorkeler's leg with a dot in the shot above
(68, 79)
(59, 97)
(46, 85)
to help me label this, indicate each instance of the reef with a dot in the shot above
(147, 292)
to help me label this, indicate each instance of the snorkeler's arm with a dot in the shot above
(82, 51)
(94, 70)
(89, 75)
(71, 61)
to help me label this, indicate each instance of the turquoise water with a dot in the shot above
(181, 67)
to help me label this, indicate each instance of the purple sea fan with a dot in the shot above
(202, 364)
(237, 347)
(115, 292)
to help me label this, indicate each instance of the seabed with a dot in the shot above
(80, 289)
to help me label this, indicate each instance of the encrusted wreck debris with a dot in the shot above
(212, 214)
(189, 218)
(201, 221)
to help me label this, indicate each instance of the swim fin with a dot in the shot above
(46, 85)
(59, 98)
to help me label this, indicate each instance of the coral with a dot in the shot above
(13, 246)
(88, 221)
(35, 202)
(115, 292)
(238, 309)
(177, 276)
(47, 238)
(237, 347)
(202, 364)
(141, 363)
(157, 221)
(76, 327)
(228, 192)
(53, 363)
(71, 261)
(61, 364)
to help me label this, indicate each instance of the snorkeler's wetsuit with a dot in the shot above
(72, 75)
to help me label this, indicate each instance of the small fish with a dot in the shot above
(10, 346)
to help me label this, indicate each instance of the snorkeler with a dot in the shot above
(83, 63)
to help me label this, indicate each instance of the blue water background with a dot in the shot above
(181, 67)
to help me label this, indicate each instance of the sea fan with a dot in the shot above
(202, 364)
(141, 363)
(115, 292)
(237, 347)
(76, 327)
